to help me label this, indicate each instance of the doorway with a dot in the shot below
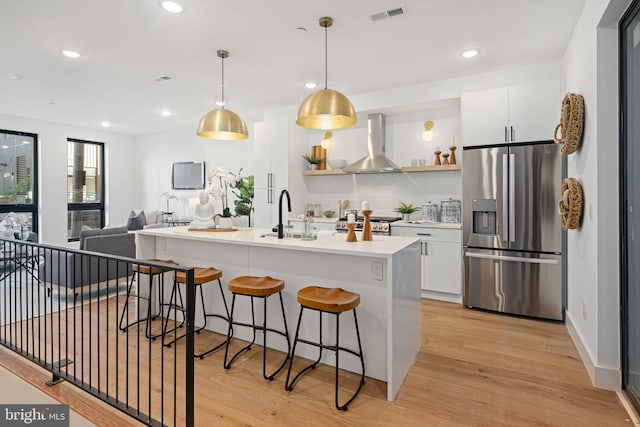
(630, 199)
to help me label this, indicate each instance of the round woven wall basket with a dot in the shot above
(571, 204)
(571, 124)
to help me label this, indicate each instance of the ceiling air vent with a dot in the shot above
(161, 79)
(389, 12)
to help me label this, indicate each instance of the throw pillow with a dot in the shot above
(136, 222)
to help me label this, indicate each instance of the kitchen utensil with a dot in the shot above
(430, 212)
(450, 211)
(337, 163)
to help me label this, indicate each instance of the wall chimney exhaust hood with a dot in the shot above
(375, 161)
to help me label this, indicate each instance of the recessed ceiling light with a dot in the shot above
(220, 103)
(16, 76)
(172, 6)
(26, 142)
(5, 147)
(166, 113)
(469, 53)
(310, 85)
(105, 124)
(70, 53)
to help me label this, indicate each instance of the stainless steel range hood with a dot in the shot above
(375, 161)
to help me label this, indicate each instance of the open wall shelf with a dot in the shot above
(406, 169)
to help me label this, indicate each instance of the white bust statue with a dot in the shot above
(203, 213)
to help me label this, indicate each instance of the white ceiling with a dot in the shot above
(127, 43)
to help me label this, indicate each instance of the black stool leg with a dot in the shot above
(207, 315)
(227, 365)
(125, 307)
(289, 385)
(338, 348)
(264, 348)
(175, 293)
(226, 347)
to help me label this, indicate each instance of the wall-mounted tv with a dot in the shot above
(187, 175)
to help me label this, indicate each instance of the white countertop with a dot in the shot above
(424, 224)
(318, 219)
(384, 246)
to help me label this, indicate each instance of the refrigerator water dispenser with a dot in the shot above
(484, 216)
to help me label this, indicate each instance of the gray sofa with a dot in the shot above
(74, 272)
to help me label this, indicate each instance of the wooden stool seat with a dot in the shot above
(330, 300)
(200, 275)
(255, 286)
(147, 269)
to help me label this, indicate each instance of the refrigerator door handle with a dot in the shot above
(512, 258)
(505, 195)
(512, 197)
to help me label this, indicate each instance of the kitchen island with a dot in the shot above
(385, 272)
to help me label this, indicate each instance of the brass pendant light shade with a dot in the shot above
(222, 123)
(326, 108)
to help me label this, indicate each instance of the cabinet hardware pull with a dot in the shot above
(423, 234)
(426, 252)
(505, 134)
(512, 135)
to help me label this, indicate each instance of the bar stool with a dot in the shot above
(200, 277)
(152, 272)
(332, 301)
(257, 287)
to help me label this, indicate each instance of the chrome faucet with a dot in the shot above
(280, 226)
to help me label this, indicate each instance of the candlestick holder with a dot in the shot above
(351, 235)
(445, 159)
(452, 159)
(366, 228)
(437, 153)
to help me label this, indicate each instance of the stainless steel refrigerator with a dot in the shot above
(513, 243)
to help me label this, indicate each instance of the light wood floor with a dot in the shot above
(474, 368)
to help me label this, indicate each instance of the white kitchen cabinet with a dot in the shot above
(515, 114)
(274, 160)
(441, 260)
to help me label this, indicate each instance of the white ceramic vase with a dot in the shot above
(225, 223)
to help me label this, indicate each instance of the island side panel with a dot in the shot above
(405, 316)
(352, 273)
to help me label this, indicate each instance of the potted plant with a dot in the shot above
(406, 210)
(313, 161)
(242, 188)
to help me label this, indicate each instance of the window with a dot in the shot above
(18, 179)
(85, 186)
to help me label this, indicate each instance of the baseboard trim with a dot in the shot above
(601, 376)
(628, 406)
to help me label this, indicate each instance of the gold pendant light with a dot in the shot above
(222, 123)
(326, 108)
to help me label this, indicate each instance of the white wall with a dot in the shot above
(156, 152)
(52, 159)
(403, 143)
(590, 69)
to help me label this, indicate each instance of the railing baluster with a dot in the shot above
(55, 334)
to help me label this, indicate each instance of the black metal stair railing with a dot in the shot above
(60, 308)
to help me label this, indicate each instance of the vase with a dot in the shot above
(406, 216)
(241, 221)
(225, 223)
(313, 166)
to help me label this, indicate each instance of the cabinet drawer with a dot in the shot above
(428, 233)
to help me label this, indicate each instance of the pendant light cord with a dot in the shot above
(223, 83)
(325, 58)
